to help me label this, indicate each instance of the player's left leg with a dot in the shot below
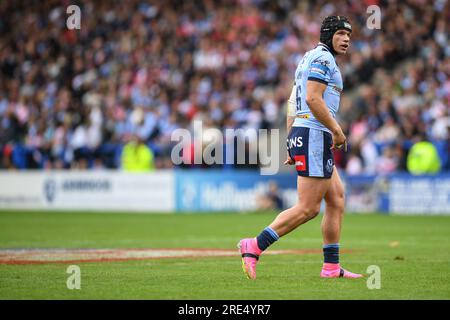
(334, 210)
(331, 229)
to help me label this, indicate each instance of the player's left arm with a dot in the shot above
(316, 103)
(318, 78)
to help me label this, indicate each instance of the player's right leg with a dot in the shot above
(310, 192)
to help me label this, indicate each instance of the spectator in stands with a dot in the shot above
(387, 162)
(354, 163)
(69, 98)
(423, 159)
(137, 157)
(271, 200)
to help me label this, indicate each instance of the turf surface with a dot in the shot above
(411, 251)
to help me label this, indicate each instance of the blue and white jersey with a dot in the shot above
(319, 65)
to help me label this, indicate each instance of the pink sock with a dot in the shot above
(331, 266)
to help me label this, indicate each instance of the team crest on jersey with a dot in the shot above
(329, 165)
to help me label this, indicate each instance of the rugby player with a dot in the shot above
(313, 135)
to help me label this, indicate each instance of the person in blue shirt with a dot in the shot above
(313, 134)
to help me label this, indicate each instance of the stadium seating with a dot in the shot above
(74, 98)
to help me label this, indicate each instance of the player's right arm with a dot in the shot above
(290, 118)
(316, 103)
(290, 115)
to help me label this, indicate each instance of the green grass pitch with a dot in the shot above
(412, 253)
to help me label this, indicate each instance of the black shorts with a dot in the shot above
(311, 150)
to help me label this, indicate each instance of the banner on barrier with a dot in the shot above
(419, 195)
(242, 191)
(229, 190)
(87, 190)
(211, 190)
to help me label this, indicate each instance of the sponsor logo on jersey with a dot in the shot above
(295, 142)
(317, 70)
(300, 163)
(325, 63)
(336, 88)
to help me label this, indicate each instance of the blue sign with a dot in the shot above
(216, 190)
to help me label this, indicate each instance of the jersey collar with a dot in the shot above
(325, 47)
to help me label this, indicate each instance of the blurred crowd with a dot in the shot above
(137, 70)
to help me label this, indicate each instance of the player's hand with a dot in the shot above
(339, 141)
(289, 160)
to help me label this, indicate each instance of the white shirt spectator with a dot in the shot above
(369, 154)
(79, 138)
(354, 166)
